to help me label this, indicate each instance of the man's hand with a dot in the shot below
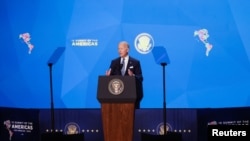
(130, 73)
(108, 72)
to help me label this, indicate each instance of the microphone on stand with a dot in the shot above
(121, 65)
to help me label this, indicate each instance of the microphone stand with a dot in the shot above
(164, 100)
(52, 99)
(53, 59)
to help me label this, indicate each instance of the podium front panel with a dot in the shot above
(121, 89)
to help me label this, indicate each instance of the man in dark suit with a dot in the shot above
(127, 65)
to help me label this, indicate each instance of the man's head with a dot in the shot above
(123, 49)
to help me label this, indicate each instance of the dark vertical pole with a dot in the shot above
(51, 98)
(164, 100)
(53, 59)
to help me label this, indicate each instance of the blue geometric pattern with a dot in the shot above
(206, 41)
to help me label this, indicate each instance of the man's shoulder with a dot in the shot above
(133, 59)
(116, 59)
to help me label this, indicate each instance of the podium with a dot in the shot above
(118, 95)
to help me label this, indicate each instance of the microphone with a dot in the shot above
(121, 64)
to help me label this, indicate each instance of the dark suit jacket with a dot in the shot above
(135, 66)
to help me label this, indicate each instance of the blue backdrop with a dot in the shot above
(207, 42)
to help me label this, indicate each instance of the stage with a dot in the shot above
(191, 124)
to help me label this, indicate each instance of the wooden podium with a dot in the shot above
(117, 95)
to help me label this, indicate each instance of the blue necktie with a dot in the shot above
(123, 66)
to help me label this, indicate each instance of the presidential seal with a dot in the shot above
(116, 86)
(144, 43)
(72, 128)
(160, 128)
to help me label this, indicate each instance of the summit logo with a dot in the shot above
(84, 42)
